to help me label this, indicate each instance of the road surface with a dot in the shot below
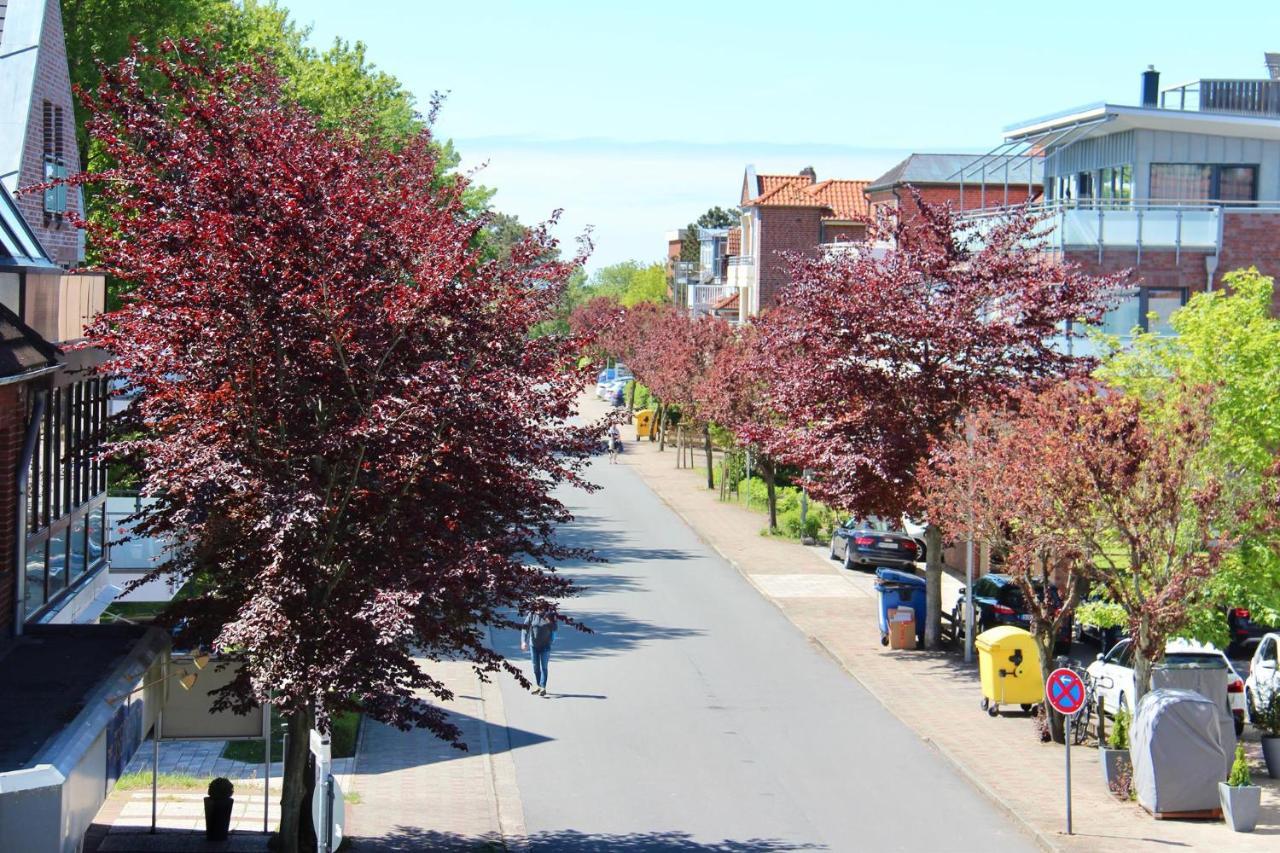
(698, 718)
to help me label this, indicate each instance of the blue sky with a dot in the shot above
(634, 118)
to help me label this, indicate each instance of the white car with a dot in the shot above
(1112, 674)
(1264, 672)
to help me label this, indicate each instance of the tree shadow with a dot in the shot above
(405, 839)
(386, 749)
(611, 634)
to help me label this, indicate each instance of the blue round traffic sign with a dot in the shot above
(1065, 691)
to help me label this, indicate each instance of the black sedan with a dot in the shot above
(873, 542)
(1243, 632)
(997, 600)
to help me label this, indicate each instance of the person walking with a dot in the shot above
(536, 636)
(615, 439)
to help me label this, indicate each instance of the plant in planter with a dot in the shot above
(1106, 617)
(1115, 755)
(217, 809)
(1265, 712)
(1240, 798)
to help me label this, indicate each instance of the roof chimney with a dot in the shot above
(1151, 87)
(807, 172)
(1273, 65)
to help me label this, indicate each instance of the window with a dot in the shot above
(55, 165)
(1175, 182)
(97, 545)
(11, 292)
(57, 563)
(76, 563)
(35, 577)
(1122, 319)
(1160, 305)
(1116, 183)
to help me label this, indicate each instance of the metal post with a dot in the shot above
(748, 490)
(1067, 718)
(155, 760)
(328, 813)
(968, 560)
(266, 760)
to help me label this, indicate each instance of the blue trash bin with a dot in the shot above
(900, 589)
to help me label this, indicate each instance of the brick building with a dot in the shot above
(71, 714)
(937, 178)
(789, 214)
(1180, 189)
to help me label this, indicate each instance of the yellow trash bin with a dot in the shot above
(1009, 667)
(643, 419)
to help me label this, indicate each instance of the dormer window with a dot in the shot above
(55, 166)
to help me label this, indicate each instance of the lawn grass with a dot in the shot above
(141, 781)
(342, 740)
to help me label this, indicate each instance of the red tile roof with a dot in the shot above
(733, 244)
(728, 303)
(846, 201)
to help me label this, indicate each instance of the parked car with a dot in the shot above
(1244, 632)
(607, 378)
(998, 600)
(1112, 674)
(1264, 672)
(873, 541)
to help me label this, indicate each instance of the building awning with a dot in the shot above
(18, 244)
(995, 168)
(24, 354)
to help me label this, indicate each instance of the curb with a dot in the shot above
(502, 769)
(1041, 838)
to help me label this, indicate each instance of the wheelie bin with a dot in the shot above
(643, 419)
(900, 589)
(1009, 668)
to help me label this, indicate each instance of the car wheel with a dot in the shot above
(1239, 721)
(957, 615)
(1248, 707)
(1122, 703)
(833, 549)
(848, 558)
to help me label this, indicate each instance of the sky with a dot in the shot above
(634, 118)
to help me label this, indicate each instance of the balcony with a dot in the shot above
(1234, 97)
(1134, 226)
(703, 297)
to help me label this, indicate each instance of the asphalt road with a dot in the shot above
(697, 718)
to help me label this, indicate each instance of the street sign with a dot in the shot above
(1065, 692)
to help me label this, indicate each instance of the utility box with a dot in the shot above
(1009, 668)
(643, 421)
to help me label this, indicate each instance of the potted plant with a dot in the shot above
(1107, 617)
(1116, 764)
(217, 809)
(1266, 716)
(1240, 798)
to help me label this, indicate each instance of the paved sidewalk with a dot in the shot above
(411, 791)
(935, 694)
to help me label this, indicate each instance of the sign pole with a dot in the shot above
(1067, 718)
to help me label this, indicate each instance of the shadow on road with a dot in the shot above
(407, 839)
(612, 634)
(386, 749)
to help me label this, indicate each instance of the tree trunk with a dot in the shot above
(706, 444)
(653, 423)
(933, 587)
(1044, 641)
(770, 489)
(1142, 667)
(662, 433)
(294, 789)
(631, 398)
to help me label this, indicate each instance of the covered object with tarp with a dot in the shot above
(1180, 752)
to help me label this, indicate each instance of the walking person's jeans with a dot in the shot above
(541, 659)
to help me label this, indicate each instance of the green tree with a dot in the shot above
(1226, 339)
(715, 217)
(646, 284)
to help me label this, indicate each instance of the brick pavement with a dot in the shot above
(935, 694)
(415, 792)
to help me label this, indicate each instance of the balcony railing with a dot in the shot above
(703, 297)
(1239, 97)
(741, 261)
(1101, 225)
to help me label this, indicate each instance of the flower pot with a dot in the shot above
(217, 817)
(1115, 763)
(1271, 752)
(1240, 805)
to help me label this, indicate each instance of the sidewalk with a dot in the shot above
(936, 695)
(412, 791)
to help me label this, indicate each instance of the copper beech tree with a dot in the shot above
(343, 418)
(871, 357)
(1080, 485)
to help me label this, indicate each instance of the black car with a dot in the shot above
(1243, 633)
(997, 600)
(873, 542)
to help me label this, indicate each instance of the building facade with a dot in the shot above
(789, 215)
(1178, 190)
(941, 179)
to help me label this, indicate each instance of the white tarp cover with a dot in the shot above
(1179, 751)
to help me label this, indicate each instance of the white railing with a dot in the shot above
(703, 297)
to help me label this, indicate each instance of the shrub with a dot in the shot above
(1266, 712)
(221, 789)
(1239, 776)
(1101, 614)
(1119, 738)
